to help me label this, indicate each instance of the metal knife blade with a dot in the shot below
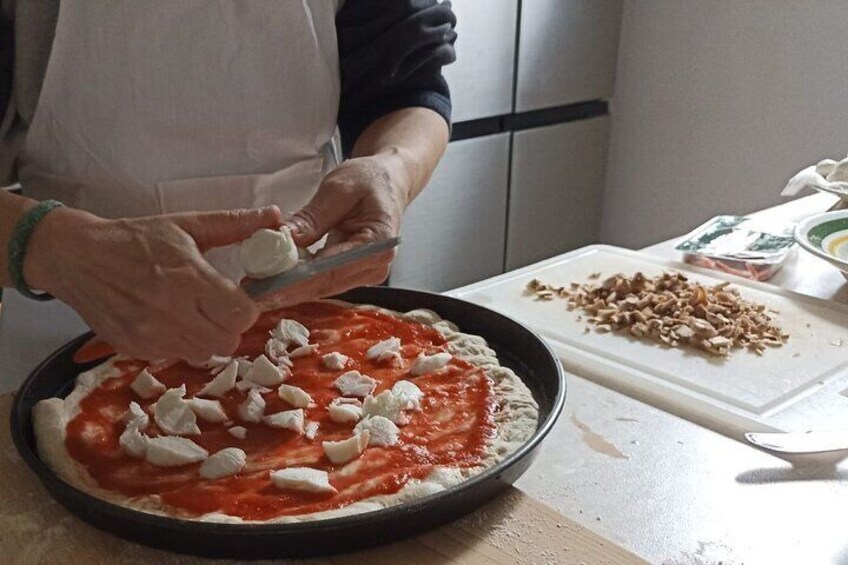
(309, 268)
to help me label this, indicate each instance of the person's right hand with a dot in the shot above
(142, 284)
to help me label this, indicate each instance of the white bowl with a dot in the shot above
(826, 236)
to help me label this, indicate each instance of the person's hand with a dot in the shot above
(361, 200)
(142, 284)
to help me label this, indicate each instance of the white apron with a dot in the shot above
(163, 106)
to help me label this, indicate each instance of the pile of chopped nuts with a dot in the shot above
(671, 310)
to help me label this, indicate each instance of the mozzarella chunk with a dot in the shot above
(212, 362)
(291, 332)
(268, 252)
(383, 432)
(386, 404)
(173, 414)
(276, 350)
(409, 393)
(224, 463)
(209, 410)
(302, 478)
(345, 410)
(166, 451)
(133, 441)
(265, 373)
(222, 383)
(244, 366)
(252, 408)
(295, 396)
(386, 350)
(250, 385)
(310, 430)
(287, 420)
(303, 351)
(354, 383)
(136, 415)
(147, 386)
(424, 364)
(335, 361)
(238, 432)
(345, 450)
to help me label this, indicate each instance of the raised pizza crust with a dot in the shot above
(515, 421)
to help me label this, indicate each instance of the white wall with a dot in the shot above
(717, 104)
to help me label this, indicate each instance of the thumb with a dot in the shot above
(326, 209)
(216, 229)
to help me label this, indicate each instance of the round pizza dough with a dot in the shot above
(515, 422)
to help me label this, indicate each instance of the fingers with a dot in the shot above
(234, 316)
(216, 229)
(330, 205)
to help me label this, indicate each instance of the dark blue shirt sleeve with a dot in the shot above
(391, 54)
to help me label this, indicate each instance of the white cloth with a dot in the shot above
(163, 106)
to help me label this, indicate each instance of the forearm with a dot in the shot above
(12, 207)
(410, 142)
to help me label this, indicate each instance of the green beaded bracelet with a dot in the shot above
(18, 246)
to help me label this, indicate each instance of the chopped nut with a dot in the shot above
(669, 309)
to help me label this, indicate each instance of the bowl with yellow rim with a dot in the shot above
(826, 236)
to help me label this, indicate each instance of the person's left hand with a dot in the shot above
(361, 200)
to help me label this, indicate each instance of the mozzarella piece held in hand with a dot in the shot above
(295, 396)
(287, 420)
(166, 451)
(335, 361)
(209, 410)
(386, 350)
(147, 386)
(354, 383)
(264, 373)
(302, 478)
(252, 408)
(268, 252)
(222, 383)
(238, 432)
(345, 450)
(291, 332)
(345, 410)
(173, 414)
(409, 393)
(386, 404)
(383, 432)
(424, 363)
(224, 463)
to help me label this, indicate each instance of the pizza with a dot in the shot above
(326, 409)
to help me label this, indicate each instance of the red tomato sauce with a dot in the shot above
(452, 428)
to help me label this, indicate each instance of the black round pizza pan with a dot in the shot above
(517, 347)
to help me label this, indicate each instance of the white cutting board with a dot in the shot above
(802, 385)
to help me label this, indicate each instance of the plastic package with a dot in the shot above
(750, 248)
